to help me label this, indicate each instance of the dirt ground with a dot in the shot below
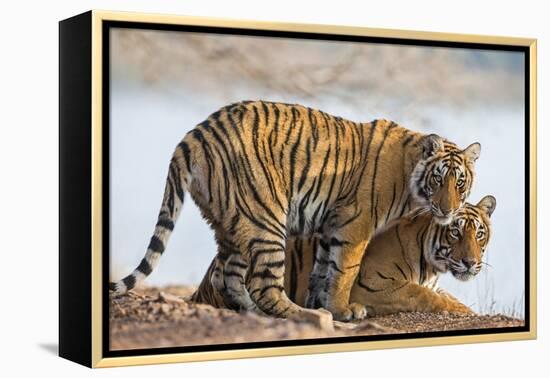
(153, 317)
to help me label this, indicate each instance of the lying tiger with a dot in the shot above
(401, 267)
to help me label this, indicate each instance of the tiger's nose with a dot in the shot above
(468, 262)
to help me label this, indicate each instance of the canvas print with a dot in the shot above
(287, 188)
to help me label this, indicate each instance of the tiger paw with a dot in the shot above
(459, 309)
(353, 311)
(462, 310)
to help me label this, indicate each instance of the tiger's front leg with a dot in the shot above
(347, 245)
(316, 294)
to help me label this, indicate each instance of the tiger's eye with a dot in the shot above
(460, 182)
(480, 234)
(455, 233)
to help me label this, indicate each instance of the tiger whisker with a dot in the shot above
(421, 211)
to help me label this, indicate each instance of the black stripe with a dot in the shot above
(320, 177)
(305, 170)
(352, 266)
(186, 154)
(229, 248)
(232, 273)
(367, 288)
(256, 222)
(257, 253)
(293, 152)
(320, 261)
(219, 124)
(275, 126)
(293, 277)
(427, 168)
(238, 264)
(400, 287)
(384, 277)
(352, 218)
(265, 241)
(301, 210)
(299, 248)
(328, 194)
(268, 308)
(234, 223)
(269, 287)
(156, 244)
(129, 281)
(421, 241)
(144, 267)
(284, 311)
(392, 202)
(333, 265)
(256, 147)
(422, 264)
(265, 274)
(337, 242)
(197, 134)
(403, 252)
(170, 196)
(268, 210)
(341, 146)
(408, 140)
(401, 270)
(405, 205)
(165, 223)
(366, 154)
(377, 158)
(274, 264)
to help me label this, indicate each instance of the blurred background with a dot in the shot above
(164, 83)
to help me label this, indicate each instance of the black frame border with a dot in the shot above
(107, 25)
(75, 196)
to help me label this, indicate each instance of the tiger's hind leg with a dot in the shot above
(256, 258)
(229, 279)
(266, 274)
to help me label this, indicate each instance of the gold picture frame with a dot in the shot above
(82, 100)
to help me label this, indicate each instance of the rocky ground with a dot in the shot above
(152, 318)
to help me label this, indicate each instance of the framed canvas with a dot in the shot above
(334, 188)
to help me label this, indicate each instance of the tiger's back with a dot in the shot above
(295, 161)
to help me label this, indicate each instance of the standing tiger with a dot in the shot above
(401, 266)
(262, 172)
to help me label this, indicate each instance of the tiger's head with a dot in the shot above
(460, 245)
(442, 179)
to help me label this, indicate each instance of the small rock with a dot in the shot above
(165, 309)
(166, 297)
(321, 318)
(344, 326)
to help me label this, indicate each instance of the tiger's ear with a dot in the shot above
(487, 204)
(431, 144)
(472, 152)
